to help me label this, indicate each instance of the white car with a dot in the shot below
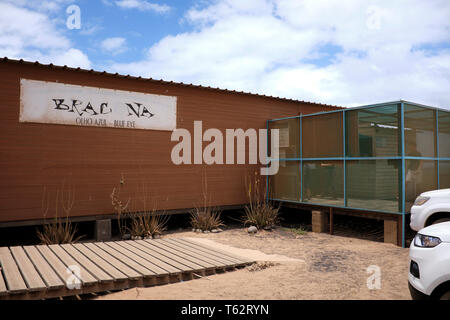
(429, 265)
(429, 208)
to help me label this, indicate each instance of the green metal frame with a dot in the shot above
(345, 158)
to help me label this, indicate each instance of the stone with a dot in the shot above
(126, 236)
(219, 230)
(156, 236)
(252, 229)
(206, 231)
(214, 231)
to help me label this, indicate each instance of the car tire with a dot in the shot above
(445, 296)
(441, 220)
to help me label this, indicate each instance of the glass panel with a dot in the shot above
(322, 136)
(374, 184)
(323, 182)
(289, 137)
(444, 134)
(444, 174)
(285, 185)
(421, 176)
(420, 129)
(373, 132)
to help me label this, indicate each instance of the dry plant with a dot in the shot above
(205, 218)
(147, 223)
(259, 212)
(120, 207)
(58, 231)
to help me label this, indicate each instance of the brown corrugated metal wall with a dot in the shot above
(93, 160)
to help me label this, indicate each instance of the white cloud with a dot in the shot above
(114, 45)
(277, 47)
(31, 35)
(143, 5)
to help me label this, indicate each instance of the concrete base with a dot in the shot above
(103, 230)
(319, 221)
(390, 231)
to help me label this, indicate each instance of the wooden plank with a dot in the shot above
(208, 248)
(123, 258)
(98, 273)
(3, 290)
(160, 255)
(103, 264)
(13, 278)
(130, 254)
(209, 253)
(49, 276)
(122, 267)
(192, 249)
(85, 276)
(57, 265)
(194, 253)
(142, 252)
(29, 273)
(182, 258)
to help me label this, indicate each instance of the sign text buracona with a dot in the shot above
(58, 103)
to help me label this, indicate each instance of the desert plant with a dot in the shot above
(258, 212)
(144, 222)
(205, 217)
(148, 225)
(58, 231)
(120, 207)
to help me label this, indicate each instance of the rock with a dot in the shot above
(268, 228)
(214, 231)
(198, 230)
(194, 230)
(156, 236)
(219, 230)
(126, 236)
(206, 231)
(252, 229)
(147, 237)
(136, 238)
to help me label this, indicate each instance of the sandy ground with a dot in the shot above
(310, 266)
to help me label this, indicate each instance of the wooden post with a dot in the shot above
(391, 231)
(331, 220)
(319, 221)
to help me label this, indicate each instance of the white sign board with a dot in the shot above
(58, 103)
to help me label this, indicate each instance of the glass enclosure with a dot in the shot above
(376, 158)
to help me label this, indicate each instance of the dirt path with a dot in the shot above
(310, 266)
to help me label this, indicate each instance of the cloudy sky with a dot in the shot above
(343, 52)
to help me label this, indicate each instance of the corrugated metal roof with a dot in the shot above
(65, 67)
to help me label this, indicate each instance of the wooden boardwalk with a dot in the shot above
(42, 272)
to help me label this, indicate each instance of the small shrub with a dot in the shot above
(206, 219)
(259, 212)
(148, 225)
(120, 207)
(59, 231)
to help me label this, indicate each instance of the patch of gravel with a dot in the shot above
(330, 261)
(258, 266)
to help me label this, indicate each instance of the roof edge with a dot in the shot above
(65, 67)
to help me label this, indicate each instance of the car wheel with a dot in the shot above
(441, 220)
(445, 296)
